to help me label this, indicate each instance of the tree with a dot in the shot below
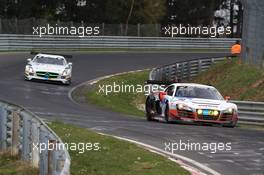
(191, 12)
(90, 11)
(137, 11)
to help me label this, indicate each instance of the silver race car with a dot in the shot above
(194, 103)
(49, 67)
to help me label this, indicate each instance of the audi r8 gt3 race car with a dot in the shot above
(49, 67)
(191, 103)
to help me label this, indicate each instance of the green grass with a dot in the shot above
(115, 157)
(13, 166)
(120, 102)
(240, 81)
(251, 126)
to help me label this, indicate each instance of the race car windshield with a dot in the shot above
(49, 60)
(198, 92)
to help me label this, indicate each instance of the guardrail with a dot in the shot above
(22, 133)
(28, 42)
(183, 71)
(249, 112)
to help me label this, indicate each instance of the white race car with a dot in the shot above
(188, 102)
(49, 67)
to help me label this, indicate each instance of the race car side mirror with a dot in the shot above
(227, 98)
(29, 59)
(70, 64)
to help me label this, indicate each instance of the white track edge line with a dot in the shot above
(149, 147)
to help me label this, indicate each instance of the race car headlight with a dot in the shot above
(29, 69)
(65, 72)
(180, 106)
(216, 113)
(199, 111)
(229, 111)
(183, 107)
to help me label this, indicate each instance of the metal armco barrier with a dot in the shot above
(9, 42)
(21, 133)
(183, 71)
(249, 112)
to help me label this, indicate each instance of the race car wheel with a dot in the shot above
(167, 116)
(26, 78)
(68, 82)
(149, 109)
(231, 125)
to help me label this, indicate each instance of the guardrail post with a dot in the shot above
(200, 66)
(212, 60)
(173, 72)
(35, 141)
(159, 74)
(59, 160)
(169, 73)
(182, 71)
(163, 74)
(3, 129)
(15, 133)
(43, 170)
(51, 156)
(189, 71)
(167, 78)
(26, 136)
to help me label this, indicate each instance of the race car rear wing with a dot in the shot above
(167, 83)
(35, 53)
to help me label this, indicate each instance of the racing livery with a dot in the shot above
(189, 102)
(49, 67)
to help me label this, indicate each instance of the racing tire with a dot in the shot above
(231, 125)
(167, 115)
(26, 78)
(149, 109)
(68, 82)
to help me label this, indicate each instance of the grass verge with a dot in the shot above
(115, 157)
(124, 102)
(251, 126)
(240, 81)
(13, 166)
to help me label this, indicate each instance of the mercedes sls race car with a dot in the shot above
(194, 103)
(49, 67)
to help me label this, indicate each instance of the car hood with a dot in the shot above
(198, 103)
(48, 68)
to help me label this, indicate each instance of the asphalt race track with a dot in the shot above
(51, 101)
